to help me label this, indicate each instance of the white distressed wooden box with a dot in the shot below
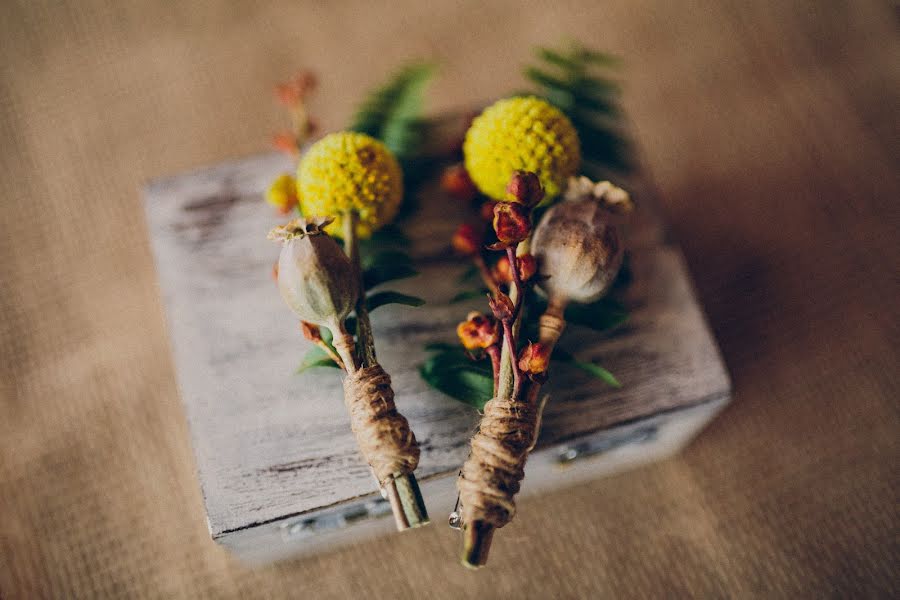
(277, 463)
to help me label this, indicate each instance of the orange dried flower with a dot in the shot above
(456, 182)
(293, 92)
(512, 223)
(501, 271)
(467, 240)
(487, 211)
(478, 331)
(527, 268)
(311, 331)
(534, 359)
(286, 142)
(525, 188)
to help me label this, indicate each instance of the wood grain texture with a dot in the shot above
(771, 129)
(271, 444)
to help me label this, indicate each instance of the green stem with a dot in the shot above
(506, 386)
(401, 489)
(363, 324)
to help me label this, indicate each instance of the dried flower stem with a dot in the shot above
(494, 353)
(478, 535)
(363, 324)
(400, 488)
(485, 273)
(508, 363)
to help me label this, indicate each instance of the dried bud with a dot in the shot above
(275, 272)
(502, 307)
(534, 359)
(578, 249)
(525, 188)
(293, 92)
(286, 142)
(311, 331)
(501, 271)
(456, 182)
(487, 211)
(503, 274)
(527, 266)
(478, 331)
(467, 241)
(511, 222)
(315, 277)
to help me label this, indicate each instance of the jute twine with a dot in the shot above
(492, 475)
(496, 465)
(383, 434)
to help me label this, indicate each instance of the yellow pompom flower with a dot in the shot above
(350, 171)
(282, 194)
(523, 133)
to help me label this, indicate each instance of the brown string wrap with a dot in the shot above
(491, 476)
(383, 434)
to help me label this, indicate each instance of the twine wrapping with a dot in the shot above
(383, 434)
(491, 476)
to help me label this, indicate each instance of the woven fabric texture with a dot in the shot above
(771, 130)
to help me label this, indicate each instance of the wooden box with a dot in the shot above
(278, 465)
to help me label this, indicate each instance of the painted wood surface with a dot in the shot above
(270, 443)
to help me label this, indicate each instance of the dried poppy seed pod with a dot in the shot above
(578, 246)
(315, 277)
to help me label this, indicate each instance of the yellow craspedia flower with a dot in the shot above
(526, 134)
(350, 171)
(282, 194)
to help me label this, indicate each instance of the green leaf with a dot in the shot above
(377, 299)
(562, 61)
(469, 274)
(601, 145)
(598, 372)
(590, 368)
(602, 315)
(454, 374)
(392, 113)
(382, 273)
(597, 58)
(468, 295)
(316, 357)
(571, 80)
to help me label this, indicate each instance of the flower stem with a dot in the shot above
(494, 353)
(516, 282)
(363, 324)
(331, 353)
(485, 273)
(477, 538)
(508, 367)
(401, 489)
(478, 535)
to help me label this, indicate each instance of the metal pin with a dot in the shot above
(455, 519)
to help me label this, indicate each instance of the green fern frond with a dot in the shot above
(573, 80)
(392, 113)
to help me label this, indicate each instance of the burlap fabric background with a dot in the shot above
(771, 129)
